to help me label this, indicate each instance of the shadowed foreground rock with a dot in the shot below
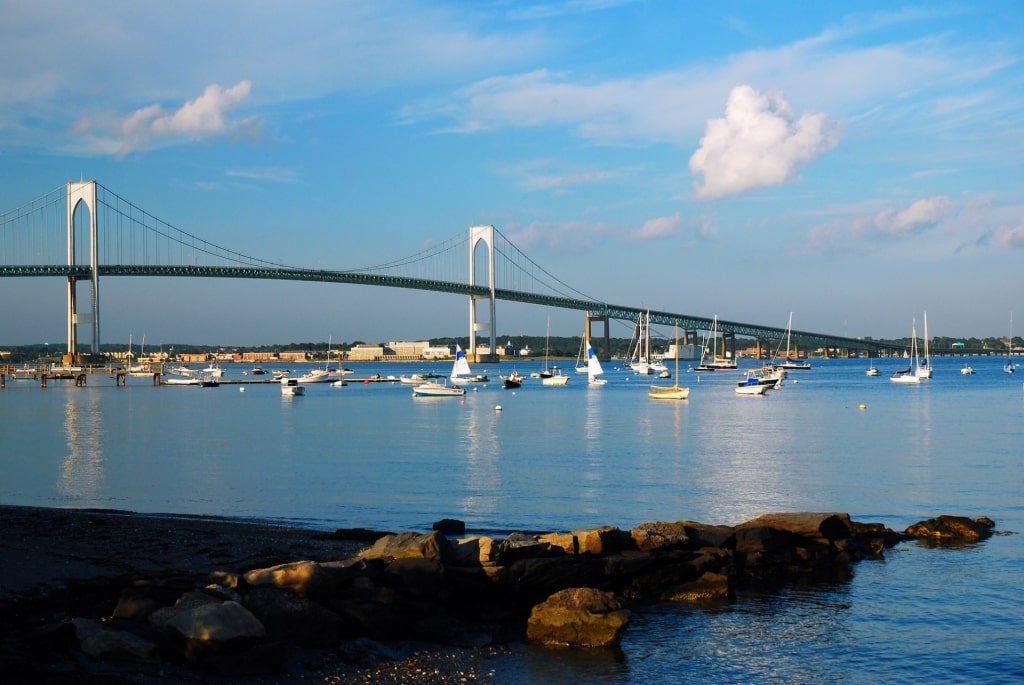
(559, 589)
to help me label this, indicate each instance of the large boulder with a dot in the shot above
(211, 630)
(305, 578)
(952, 529)
(830, 526)
(578, 617)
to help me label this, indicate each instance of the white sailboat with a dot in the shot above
(716, 363)
(1009, 366)
(545, 373)
(924, 369)
(790, 362)
(674, 392)
(461, 373)
(641, 355)
(594, 369)
(910, 375)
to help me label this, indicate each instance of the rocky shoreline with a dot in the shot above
(102, 596)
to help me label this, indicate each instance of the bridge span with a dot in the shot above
(526, 282)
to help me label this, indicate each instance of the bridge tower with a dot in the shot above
(484, 234)
(83, 193)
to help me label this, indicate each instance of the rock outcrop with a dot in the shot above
(559, 589)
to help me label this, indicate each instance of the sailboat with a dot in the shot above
(790, 362)
(910, 375)
(594, 369)
(137, 369)
(663, 392)
(582, 365)
(1009, 366)
(872, 371)
(641, 355)
(717, 363)
(461, 373)
(924, 369)
(545, 373)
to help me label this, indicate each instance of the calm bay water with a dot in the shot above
(566, 458)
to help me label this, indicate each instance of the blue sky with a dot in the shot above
(856, 164)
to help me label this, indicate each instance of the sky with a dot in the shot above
(856, 164)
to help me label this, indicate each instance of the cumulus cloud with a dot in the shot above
(570, 236)
(660, 227)
(1008, 237)
(759, 143)
(203, 118)
(889, 225)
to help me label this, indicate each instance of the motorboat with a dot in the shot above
(556, 379)
(324, 375)
(436, 389)
(257, 371)
(513, 380)
(968, 370)
(213, 371)
(751, 386)
(290, 387)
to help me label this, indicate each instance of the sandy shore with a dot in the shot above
(56, 564)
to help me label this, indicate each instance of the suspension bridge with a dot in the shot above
(82, 231)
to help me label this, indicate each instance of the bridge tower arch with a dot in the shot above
(485, 235)
(83, 193)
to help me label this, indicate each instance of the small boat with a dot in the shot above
(181, 381)
(257, 371)
(213, 371)
(968, 370)
(594, 369)
(751, 386)
(461, 373)
(513, 380)
(209, 382)
(924, 365)
(413, 379)
(674, 392)
(715, 363)
(1009, 366)
(324, 375)
(872, 371)
(290, 387)
(791, 363)
(909, 376)
(556, 379)
(435, 389)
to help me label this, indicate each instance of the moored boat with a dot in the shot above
(436, 389)
(290, 387)
(751, 386)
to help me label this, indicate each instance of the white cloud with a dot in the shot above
(660, 227)
(758, 144)
(1008, 237)
(198, 120)
(565, 181)
(860, 232)
(570, 236)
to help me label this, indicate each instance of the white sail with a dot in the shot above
(594, 369)
(460, 370)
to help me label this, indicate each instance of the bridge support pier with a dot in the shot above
(605, 339)
(477, 235)
(84, 194)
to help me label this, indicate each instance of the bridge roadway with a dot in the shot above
(803, 339)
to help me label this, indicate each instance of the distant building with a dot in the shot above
(437, 352)
(259, 356)
(294, 356)
(409, 349)
(366, 352)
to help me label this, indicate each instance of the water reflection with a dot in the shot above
(481, 446)
(81, 474)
